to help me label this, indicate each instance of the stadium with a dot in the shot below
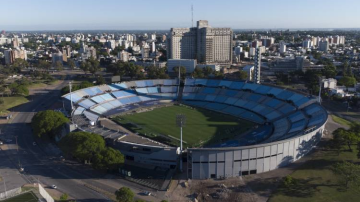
(233, 128)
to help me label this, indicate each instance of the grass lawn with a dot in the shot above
(27, 197)
(10, 102)
(317, 183)
(202, 126)
(341, 121)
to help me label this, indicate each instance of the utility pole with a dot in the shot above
(5, 188)
(180, 122)
(17, 146)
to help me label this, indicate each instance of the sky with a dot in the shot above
(164, 14)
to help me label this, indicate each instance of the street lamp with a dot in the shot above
(180, 122)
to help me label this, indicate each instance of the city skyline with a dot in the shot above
(162, 15)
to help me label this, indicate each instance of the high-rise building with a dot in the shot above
(145, 51)
(15, 42)
(324, 45)
(9, 56)
(306, 43)
(123, 56)
(267, 41)
(257, 65)
(256, 43)
(57, 57)
(282, 47)
(203, 43)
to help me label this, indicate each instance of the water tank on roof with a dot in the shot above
(92, 123)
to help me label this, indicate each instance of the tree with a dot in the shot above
(347, 136)
(93, 65)
(124, 194)
(348, 81)
(108, 159)
(20, 63)
(44, 65)
(117, 68)
(64, 197)
(348, 172)
(242, 75)
(84, 67)
(18, 89)
(208, 71)
(182, 71)
(133, 70)
(71, 64)
(197, 73)
(82, 145)
(156, 72)
(59, 65)
(48, 122)
(100, 80)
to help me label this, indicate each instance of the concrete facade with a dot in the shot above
(204, 43)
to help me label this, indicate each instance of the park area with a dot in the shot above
(314, 181)
(203, 127)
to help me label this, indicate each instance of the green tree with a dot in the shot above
(94, 65)
(197, 73)
(84, 66)
(124, 194)
(208, 71)
(18, 89)
(100, 80)
(44, 65)
(71, 63)
(182, 71)
(347, 81)
(108, 159)
(133, 70)
(48, 122)
(64, 197)
(82, 145)
(20, 63)
(348, 172)
(117, 68)
(59, 65)
(156, 72)
(347, 136)
(242, 75)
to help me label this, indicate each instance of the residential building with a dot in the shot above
(257, 66)
(9, 56)
(282, 47)
(324, 45)
(123, 56)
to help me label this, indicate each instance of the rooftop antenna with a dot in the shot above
(192, 16)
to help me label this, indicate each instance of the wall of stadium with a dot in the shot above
(204, 163)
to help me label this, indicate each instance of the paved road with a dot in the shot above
(37, 164)
(41, 162)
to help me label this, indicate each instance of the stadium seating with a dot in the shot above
(289, 113)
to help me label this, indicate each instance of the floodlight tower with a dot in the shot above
(180, 122)
(72, 107)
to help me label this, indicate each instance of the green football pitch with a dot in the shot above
(203, 127)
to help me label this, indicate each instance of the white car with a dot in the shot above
(147, 193)
(53, 186)
(1, 143)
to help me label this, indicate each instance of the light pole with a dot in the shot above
(180, 122)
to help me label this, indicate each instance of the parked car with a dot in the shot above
(53, 186)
